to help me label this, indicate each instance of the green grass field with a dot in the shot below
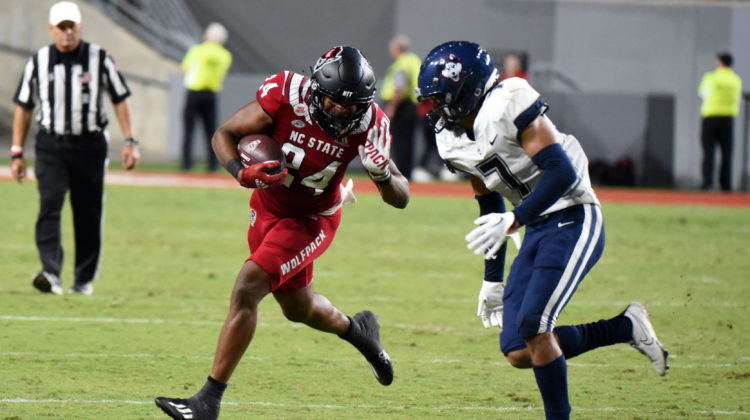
(171, 256)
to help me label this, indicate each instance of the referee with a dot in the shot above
(69, 79)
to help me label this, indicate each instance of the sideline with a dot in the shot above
(443, 189)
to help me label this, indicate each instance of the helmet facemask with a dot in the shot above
(441, 116)
(345, 76)
(337, 126)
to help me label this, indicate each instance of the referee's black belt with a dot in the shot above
(88, 136)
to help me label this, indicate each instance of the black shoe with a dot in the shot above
(47, 283)
(190, 409)
(364, 334)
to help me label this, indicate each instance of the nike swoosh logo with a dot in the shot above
(492, 142)
(649, 340)
(561, 224)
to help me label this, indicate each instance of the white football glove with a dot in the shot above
(376, 153)
(347, 193)
(492, 233)
(490, 307)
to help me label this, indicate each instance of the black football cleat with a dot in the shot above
(190, 409)
(365, 336)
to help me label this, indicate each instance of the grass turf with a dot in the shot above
(169, 263)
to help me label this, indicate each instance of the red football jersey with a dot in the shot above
(316, 162)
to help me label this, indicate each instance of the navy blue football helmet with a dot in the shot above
(344, 75)
(455, 75)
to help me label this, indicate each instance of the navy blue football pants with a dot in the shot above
(557, 252)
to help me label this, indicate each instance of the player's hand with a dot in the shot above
(376, 153)
(256, 176)
(347, 193)
(18, 169)
(490, 307)
(492, 233)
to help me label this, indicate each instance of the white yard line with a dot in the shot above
(634, 410)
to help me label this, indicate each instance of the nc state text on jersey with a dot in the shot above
(317, 144)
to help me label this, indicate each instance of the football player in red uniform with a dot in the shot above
(321, 123)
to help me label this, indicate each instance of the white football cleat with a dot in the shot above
(82, 289)
(644, 338)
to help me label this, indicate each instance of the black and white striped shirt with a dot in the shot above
(70, 87)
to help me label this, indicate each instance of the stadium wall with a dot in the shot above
(612, 47)
(579, 52)
(620, 49)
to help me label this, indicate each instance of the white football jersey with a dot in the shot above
(496, 155)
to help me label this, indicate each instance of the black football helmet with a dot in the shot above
(344, 75)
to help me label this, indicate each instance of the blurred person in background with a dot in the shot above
(423, 171)
(499, 134)
(720, 91)
(400, 101)
(512, 67)
(205, 65)
(68, 79)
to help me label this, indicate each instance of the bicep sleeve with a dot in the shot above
(558, 175)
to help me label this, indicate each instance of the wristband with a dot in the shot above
(234, 167)
(16, 152)
(382, 178)
(385, 181)
(131, 141)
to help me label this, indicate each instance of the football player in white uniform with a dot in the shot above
(498, 133)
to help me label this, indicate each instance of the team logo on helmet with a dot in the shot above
(334, 54)
(452, 68)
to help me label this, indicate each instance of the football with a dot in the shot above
(259, 148)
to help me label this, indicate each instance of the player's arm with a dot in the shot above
(558, 174)
(396, 190)
(490, 202)
(375, 155)
(490, 300)
(250, 119)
